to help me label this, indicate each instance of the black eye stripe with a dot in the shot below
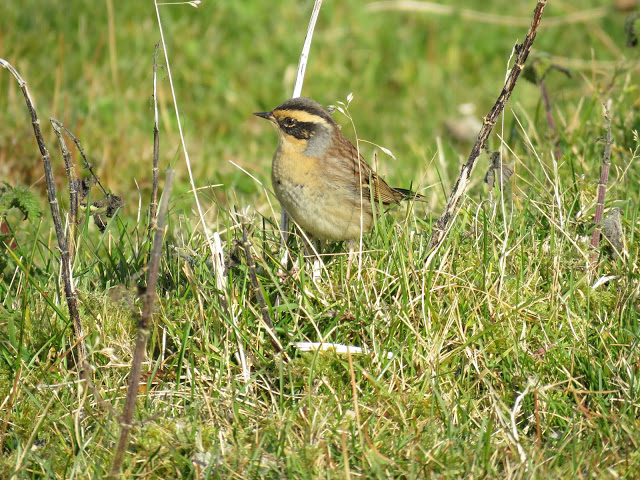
(302, 130)
(306, 105)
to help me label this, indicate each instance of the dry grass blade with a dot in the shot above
(215, 253)
(297, 90)
(304, 56)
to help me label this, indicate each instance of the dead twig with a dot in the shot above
(65, 257)
(536, 72)
(153, 206)
(87, 165)
(70, 169)
(79, 190)
(144, 329)
(443, 224)
(550, 121)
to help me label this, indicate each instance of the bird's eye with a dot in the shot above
(290, 122)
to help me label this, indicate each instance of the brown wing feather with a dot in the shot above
(382, 192)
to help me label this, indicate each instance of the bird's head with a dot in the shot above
(303, 125)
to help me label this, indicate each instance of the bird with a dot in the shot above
(319, 176)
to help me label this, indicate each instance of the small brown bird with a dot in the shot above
(320, 178)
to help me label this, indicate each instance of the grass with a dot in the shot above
(506, 360)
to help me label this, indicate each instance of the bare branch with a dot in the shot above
(65, 257)
(443, 224)
(70, 169)
(144, 329)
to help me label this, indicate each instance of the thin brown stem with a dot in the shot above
(153, 206)
(70, 169)
(602, 189)
(443, 224)
(65, 257)
(144, 330)
(87, 165)
(550, 121)
(537, 416)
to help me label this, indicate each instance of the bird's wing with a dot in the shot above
(369, 179)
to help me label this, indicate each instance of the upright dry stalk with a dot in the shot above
(216, 253)
(144, 330)
(537, 73)
(87, 165)
(297, 90)
(549, 115)
(153, 206)
(304, 56)
(65, 257)
(602, 189)
(70, 169)
(443, 224)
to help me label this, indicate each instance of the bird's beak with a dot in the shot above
(268, 115)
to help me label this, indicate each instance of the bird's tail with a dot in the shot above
(409, 195)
